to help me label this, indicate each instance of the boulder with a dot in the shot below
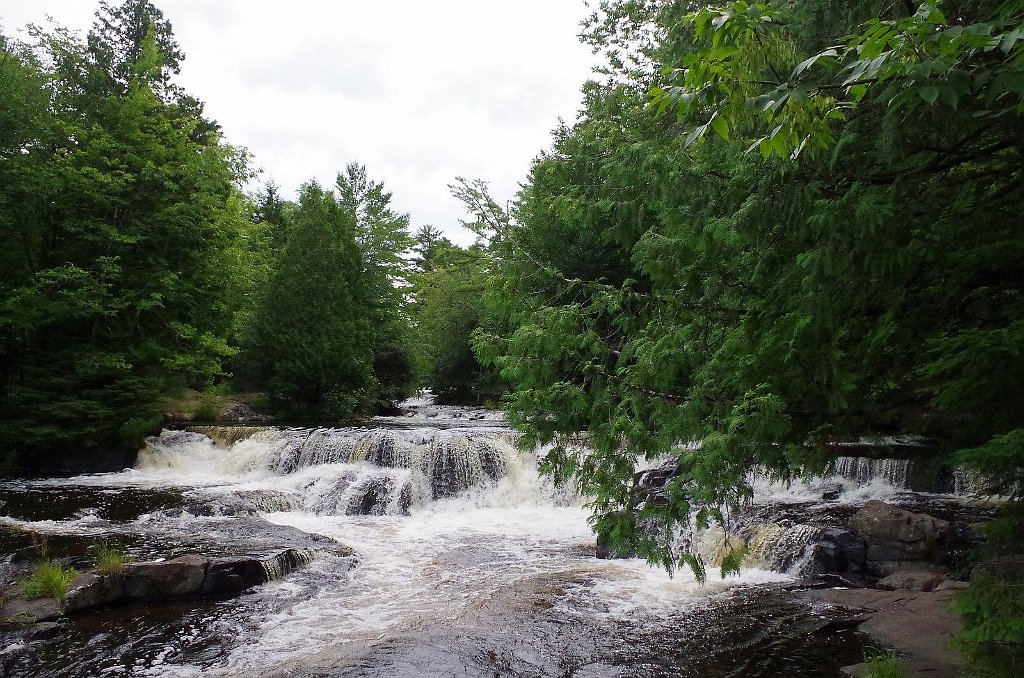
(90, 590)
(855, 671)
(894, 535)
(952, 585)
(232, 575)
(43, 631)
(21, 611)
(912, 580)
(180, 577)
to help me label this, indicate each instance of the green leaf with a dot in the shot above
(720, 126)
(929, 93)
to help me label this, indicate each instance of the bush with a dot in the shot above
(992, 640)
(49, 579)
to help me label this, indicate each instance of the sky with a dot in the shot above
(420, 92)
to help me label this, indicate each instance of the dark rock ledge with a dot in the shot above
(186, 577)
(228, 557)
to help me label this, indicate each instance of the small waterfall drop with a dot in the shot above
(865, 470)
(332, 471)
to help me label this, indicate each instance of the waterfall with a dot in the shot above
(864, 470)
(336, 471)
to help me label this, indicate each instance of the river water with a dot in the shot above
(466, 563)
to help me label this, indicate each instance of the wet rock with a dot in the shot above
(851, 550)
(854, 671)
(911, 580)
(43, 630)
(896, 537)
(90, 590)
(831, 492)
(177, 578)
(605, 550)
(895, 534)
(831, 626)
(230, 576)
(21, 611)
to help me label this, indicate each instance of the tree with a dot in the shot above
(449, 306)
(383, 238)
(310, 338)
(124, 203)
(662, 291)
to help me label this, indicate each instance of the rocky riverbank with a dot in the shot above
(919, 625)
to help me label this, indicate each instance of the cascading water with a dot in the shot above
(468, 562)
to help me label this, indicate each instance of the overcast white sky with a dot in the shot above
(421, 92)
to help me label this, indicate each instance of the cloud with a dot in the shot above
(421, 92)
(354, 68)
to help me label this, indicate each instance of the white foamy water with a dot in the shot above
(445, 569)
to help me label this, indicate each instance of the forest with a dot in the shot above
(135, 267)
(771, 228)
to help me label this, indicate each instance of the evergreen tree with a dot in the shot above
(661, 290)
(383, 238)
(124, 206)
(310, 337)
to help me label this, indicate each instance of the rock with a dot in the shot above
(882, 568)
(231, 576)
(21, 611)
(831, 492)
(820, 558)
(893, 536)
(952, 585)
(850, 550)
(911, 580)
(43, 631)
(854, 671)
(831, 626)
(90, 590)
(605, 551)
(176, 578)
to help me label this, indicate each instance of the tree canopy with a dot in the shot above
(119, 206)
(666, 283)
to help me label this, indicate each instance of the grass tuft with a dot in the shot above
(884, 665)
(49, 579)
(110, 558)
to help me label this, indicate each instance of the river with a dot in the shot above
(466, 563)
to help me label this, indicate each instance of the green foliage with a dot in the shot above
(992, 607)
(746, 69)
(993, 611)
(383, 238)
(134, 430)
(649, 291)
(110, 558)
(449, 292)
(309, 341)
(49, 579)
(1000, 463)
(884, 665)
(121, 218)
